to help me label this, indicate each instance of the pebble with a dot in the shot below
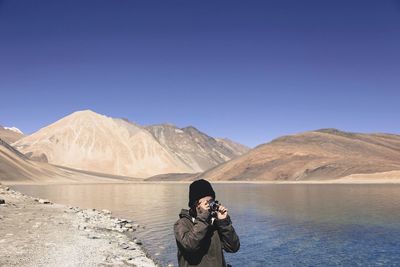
(124, 246)
(93, 236)
(137, 241)
(106, 211)
(2, 201)
(130, 246)
(44, 201)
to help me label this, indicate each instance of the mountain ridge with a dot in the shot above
(86, 140)
(10, 134)
(314, 155)
(16, 168)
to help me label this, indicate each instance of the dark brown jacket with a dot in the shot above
(200, 243)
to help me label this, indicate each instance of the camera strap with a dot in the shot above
(212, 220)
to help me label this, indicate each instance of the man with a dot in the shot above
(201, 237)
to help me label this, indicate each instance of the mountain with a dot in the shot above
(15, 167)
(89, 141)
(315, 155)
(14, 129)
(196, 149)
(10, 134)
(237, 148)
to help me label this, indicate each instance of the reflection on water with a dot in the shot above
(278, 225)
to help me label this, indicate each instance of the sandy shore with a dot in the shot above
(36, 232)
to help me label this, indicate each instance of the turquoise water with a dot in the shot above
(278, 225)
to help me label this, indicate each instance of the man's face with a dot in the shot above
(202, 203)
(207, 198)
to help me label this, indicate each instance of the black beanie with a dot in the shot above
(199, 189)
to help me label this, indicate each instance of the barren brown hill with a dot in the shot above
(15, 167)
(316, 155)
(196, 149)
(10, 136)
(237, 148)
(89, 141)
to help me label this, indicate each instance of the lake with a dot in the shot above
(278, 224)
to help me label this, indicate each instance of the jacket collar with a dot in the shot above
(185, 213)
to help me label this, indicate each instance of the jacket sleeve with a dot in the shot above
(229, 238)
(190, 238)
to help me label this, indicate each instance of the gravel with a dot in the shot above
(36, 232)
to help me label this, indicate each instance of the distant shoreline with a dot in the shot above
(322, 182)
(391, 177)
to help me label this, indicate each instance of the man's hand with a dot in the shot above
(222, 212)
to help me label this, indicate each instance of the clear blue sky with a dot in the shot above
(247, 70)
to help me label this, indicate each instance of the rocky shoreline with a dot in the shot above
(36, 232)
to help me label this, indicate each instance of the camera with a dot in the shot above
(214, 207)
